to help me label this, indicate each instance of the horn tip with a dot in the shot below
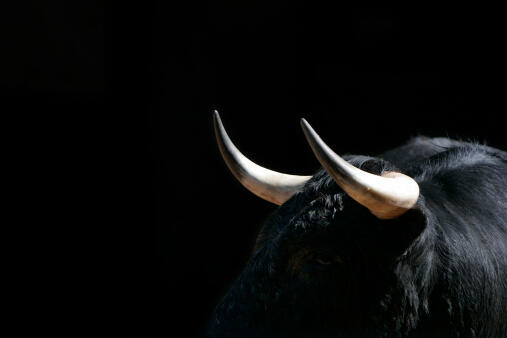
(307, 128)
(304, 124)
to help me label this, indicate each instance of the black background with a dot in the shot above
(128, 91)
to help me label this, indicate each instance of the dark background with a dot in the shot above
(127, 94)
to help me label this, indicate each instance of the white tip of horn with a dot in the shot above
(270, 185)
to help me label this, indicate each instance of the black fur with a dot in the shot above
(324, 266)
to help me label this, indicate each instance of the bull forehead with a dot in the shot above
(318, 213)
(321, 211)
(305, 212)
(330, 213)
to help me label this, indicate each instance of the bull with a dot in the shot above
(412, 243)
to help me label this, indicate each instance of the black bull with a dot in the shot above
(324, 266)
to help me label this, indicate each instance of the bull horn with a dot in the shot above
(270, 185)
(386, 196)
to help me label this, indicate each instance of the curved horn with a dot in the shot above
(270, 185)
(387, 196)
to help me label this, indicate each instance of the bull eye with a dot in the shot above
(324, 261)
(328, 259)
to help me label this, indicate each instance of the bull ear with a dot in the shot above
(401, 234)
